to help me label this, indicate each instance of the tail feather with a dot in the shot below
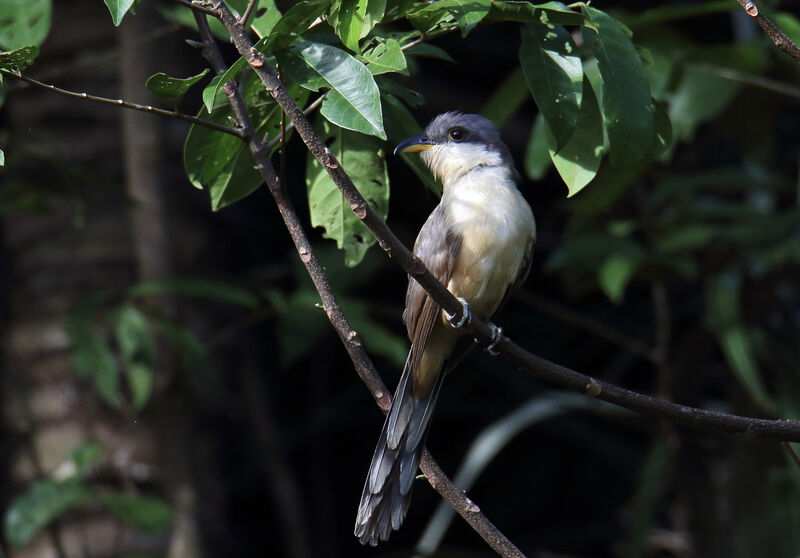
(387, 490)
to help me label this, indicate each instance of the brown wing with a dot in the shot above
(437, 247)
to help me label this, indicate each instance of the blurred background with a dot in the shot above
(170, 389)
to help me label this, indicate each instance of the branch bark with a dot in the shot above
(364, 367)
(773, 32)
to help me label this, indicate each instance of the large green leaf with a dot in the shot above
(626, 102)
(578, 160)
(17, 60)
(383, 56)
(554, 75)
(363, 159)
(118, 9)
(354, 19)
(353, 101)
(171, 90)
(43, 502)
(445, 14)
(294, 23)
(24, 23)
(553, 13)
(149, 515)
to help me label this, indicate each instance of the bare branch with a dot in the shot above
(133, 106)
(364, 367)
(773, 32)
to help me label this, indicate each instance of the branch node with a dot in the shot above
(256, 58)
(194, 44)
(360, 209)
(593, 388)
(305, 255)
(751, 9)
(330, 159)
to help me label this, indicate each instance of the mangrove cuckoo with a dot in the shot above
(478, 243)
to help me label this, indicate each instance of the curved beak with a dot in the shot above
(414, 144)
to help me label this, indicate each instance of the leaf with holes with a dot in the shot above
(447, 14)
(169, 89)
(17, 60)
(363, 159)
(24, 23)
(383, 56)
(553, 13)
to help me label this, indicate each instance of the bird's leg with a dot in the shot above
(466, 315)
(497, 334)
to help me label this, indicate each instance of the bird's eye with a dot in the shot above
(457, 134)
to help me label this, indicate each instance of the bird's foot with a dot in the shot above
(466, 315)
(497, 334)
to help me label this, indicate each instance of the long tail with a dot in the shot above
(387, 490)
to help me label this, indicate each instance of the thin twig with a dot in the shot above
(197, 6)
(133, 106)
(350, 339)
(792, 454)
(290, 126)
(536, 366)
(773, 32)
(743, 77)
(246, 15)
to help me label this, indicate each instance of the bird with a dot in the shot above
(478, 242)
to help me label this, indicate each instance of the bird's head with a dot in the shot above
(455, 143)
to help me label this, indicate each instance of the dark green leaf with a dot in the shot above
(391, 87)
(426, 50)
(24, 23)
(17, 60)
(441, 15)
(294, 23)
(213, 96)
(134, 337)
(196, 288)
(663, 130)
(383, 56)
(579, 159)
(553, 13)
(615, 273)
(506, 99)
(537, 155)
(554, 75)
(92, 358)
(363, 159)
(171, 90)
(670, 12)
(85, 455)
(118, 9)
(46, 500)
(179, 14)
(353, 101)
(626, 103)
(149, 515)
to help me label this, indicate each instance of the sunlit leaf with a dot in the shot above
(24, 23)
(363, 159)
(555, 77)
(353, 101)
(354, 19)
(626, 101)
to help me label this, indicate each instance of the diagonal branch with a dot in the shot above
(364, 367)
(773, 32)
(538, 367)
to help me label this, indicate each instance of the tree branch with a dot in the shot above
(364, 367)
(773, 32)
(788, 430)
(133, 106)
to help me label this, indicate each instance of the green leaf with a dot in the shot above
(554, 13)
(723, 317)
(266, 17)
(118, 9)
(579, 159)
(554, 75)
(2, 158)
(46, 500)
(537, 155)
(626, 103)
(400, 124)
(138, 347)
(24, 23)
(506, 99)
(615, 273)
(17, 60)
(294, 23)
(441, 15)
(426, 50)
(149, 515)
(85, 455)
(699, 97)
(353, 101)
(409, 96)
(171, 90)
(92, 357)
(663, 129)
(363, 159)
(196, 288)
(355, 19)
(786, 22)
(383, 56)
(213, 96)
